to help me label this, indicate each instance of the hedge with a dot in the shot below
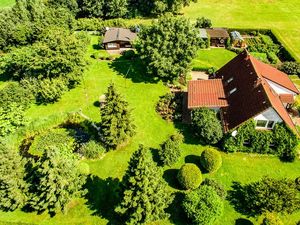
(211, 160)
(189, 176)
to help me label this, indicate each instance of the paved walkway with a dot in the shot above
(199, 75)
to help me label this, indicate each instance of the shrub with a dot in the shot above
(167, 107)
(129, 54)
(271, 219)
(84, 168)
(203, 205)
(297, 181)
(170, 152)
(211, 160)
(272, 57)
(207, 126)
(269, 194)
(218, 187)
(292, 68)
(203, 22)
(59, 138)
(189, 176)
(92, 150)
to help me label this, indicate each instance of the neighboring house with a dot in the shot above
(218, 36)
(237, 40)
(116, 38)
(245, 89)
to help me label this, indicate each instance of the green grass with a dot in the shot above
(6, 3)
(142, 93)
(282, 16)
(213, 57)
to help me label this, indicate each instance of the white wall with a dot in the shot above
(268, 115)
(279, 89)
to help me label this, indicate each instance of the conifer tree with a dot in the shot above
(55, 181)
(13, 188)
(116, 124)
(170, 152)
(145, 196)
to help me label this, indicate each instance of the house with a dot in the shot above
(116, 38)
(237, 40)
(218, 36)
(245, 89)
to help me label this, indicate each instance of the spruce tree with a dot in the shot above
(55, 180)
(116, 124)
(13, 188)
(145, 195)
(170, 152)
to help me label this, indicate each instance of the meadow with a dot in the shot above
(142, 93)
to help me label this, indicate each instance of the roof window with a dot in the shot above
(232, 91)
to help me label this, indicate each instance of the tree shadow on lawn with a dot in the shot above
(170, 176)
(237, 200)
(188, 133)
(103, 196)
(132, 69)
(243, 221)
(177, 215)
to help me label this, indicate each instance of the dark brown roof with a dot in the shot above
(119, 34)
(206, 93)
(253, 94)
(217, 33)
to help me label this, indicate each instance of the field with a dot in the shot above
(6, 3)
(142, 94)
(282, 16)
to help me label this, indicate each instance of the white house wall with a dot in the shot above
(269, 114)
(279, 89)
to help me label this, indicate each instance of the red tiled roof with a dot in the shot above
(287, 98)
(206, 93)
(253, 95)
(273, 74)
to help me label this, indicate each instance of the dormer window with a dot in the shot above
(229, 80)
(232, 91)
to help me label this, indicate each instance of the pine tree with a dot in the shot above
(13, 188)
(116, 125)
(55, 180)
(145, 195)
(170, 152)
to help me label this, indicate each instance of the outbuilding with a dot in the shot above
(116, 38)
(218, 36)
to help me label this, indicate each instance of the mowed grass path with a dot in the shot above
(282, 16)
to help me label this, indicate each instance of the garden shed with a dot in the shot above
(116, 38)
(218, 36)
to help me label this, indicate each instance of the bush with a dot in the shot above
(211, 160)
(84, 168)
(207, 126)
(170, 152)
(269, 194)
(271, 219)
(58, 138)
(203, 205)
(167, 107)
(272, 57)
(51, 91)
(92, 150)
(202, 22)
(291, 68)
(297, 181)
(219, 188)
(129, 54)
(189, 176)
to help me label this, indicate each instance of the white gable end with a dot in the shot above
(279, 89)
(267, 119)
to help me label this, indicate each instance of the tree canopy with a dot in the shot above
(145, 195)
(168, 46)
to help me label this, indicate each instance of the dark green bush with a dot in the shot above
(129, 54)
(291, 68)
(189, 176)
(202, 22)
(167, 106)
(203, 205)
(211, 160)
(218, 187)
(207, 126)
(297, 181)
(92, 150)
(170, 152)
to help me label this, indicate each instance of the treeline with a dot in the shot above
(41, 54)
(109, 9)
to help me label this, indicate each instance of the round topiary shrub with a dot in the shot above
(211, 160)
(189, 176)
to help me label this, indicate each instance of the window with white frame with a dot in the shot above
(261, 123)
(271, 124)
(112, 45)
(232, 91)
(229, 80)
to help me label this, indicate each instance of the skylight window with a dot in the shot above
(229, 80)
(232, 91)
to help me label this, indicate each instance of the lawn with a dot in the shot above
(213, 57)
(282, 16)
(142, 93)
(6, 3)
